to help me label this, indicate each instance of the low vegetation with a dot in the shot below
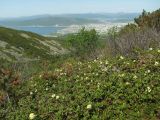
(121, 88)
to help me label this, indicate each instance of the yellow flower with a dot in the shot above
(158, 51)
(32, 116)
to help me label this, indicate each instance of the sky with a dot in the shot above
(19, 8)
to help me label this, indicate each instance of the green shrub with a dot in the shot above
(84, 42)
(151, 20)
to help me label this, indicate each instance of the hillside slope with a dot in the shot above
(18, 45)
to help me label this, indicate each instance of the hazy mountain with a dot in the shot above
(68, 19)
(47, 21)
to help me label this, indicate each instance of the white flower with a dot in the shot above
(134, 61)
(96, 74)
(127, 83)
(149, 89)
(135, 77)
(121, 57)
(122, 75)
(98, 85)
(158, 51)
(89, 106)
(88, 84)
(54, 95)
(40, 76)
(79, 63)
(87, 78)
(32, 116)
(156, 63)
(53, 85)
(104, 69)
(101, 62)
(31, 93)
(57, 97)
(89, 66)
(46, 89)
(150, 49)
(148, 71)
(106, 62)
(35, 90)
(61, 74)
(127, 63)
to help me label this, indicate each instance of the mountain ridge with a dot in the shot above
(22, 45)
(68, 19)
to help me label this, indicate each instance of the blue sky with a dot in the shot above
(17, 8)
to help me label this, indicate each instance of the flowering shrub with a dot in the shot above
(119, 88)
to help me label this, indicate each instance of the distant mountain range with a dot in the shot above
(68, 19)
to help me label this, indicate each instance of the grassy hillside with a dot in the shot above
(119, 88)
(15, 45)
